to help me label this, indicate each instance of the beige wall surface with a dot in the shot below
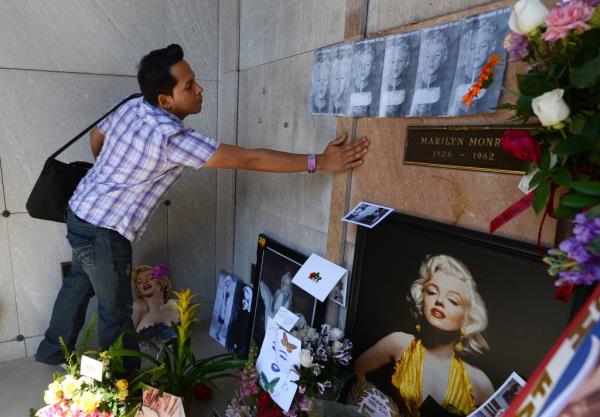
(63, 64)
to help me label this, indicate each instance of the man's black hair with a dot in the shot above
(153, 74)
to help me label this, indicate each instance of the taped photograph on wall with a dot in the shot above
(276, 266)
(481, 63)
(399, 73)
(482, 305)
(321, 75)
(341, 76)
(367, 67)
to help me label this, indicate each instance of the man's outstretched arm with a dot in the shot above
(336, 157)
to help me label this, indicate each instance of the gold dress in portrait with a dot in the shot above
(408, 379)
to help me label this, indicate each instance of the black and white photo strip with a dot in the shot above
(367, 214)
(426, 72)
(223, 307)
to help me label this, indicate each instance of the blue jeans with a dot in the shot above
(101, 266)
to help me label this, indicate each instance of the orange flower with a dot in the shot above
(486, 74)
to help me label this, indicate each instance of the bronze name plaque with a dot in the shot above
(475, 148)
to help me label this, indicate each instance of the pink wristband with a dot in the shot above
(312, 163)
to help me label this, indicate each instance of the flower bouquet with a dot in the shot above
(324, 370)
(561, 86)
(324, 361)
(577, 259)
(74, 395)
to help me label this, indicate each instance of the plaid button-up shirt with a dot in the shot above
(145, 150)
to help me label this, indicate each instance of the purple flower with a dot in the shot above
(160, 271)
(517, 46)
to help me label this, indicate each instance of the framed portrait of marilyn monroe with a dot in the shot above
(442, 311)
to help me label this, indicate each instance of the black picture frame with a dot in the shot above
(524, 317)
(273, 260)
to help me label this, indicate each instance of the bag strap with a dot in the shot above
(87, 129)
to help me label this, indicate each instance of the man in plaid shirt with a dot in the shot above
(140, 150)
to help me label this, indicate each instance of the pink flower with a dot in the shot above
(566, 17)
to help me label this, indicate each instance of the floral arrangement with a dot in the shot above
(325, 358)
(577, 259)
(175, 369)
(250, 400)
(74, 395)
(561, 86)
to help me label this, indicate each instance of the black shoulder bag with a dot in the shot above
(58, 180)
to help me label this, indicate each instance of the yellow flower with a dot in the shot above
(121, 384)
(69, 386)
(122, 395)
(88, 402)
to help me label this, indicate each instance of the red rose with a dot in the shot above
(203, 392)
(520, 144)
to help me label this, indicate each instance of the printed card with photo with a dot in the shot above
(338, 294)
(156, 405)
(318, 276)
(279, 353)
(223, 307)
(285, 318)
(367, 214)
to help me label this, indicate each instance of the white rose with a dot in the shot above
(337, 334)
(51, 397)
(527, 15)
(311, 332)
(306, 358)
(337, 346)
(69, 386)
(550, 107)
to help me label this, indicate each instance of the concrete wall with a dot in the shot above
(63, 63)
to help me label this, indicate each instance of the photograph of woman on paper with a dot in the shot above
(399, 72)
(367, 68)
(275, 290)
(450, 316)
(481, 37)
(435, 74)
(319, 96)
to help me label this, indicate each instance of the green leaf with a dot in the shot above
(563, 213)
(578, 200)
(533, 85)
(545, 162)
(537, 178)
(573, 145)
(541, 196)
(524, 108)
(562, 177)
(576, 125)
(591, 129)
(587, 187)
(586, 75)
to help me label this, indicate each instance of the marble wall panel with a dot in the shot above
(37, 248)
(464, 198)
(274, 29)
(227, 133)
(47, 110)
(229, 36)
(389, 14)
(191, 235)
(251, 221)
(152, 248)
(273, 114)
(31, 345)
(194, 24)
(2, 197)
(9, 325)
(100, 37)
(10, 351)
